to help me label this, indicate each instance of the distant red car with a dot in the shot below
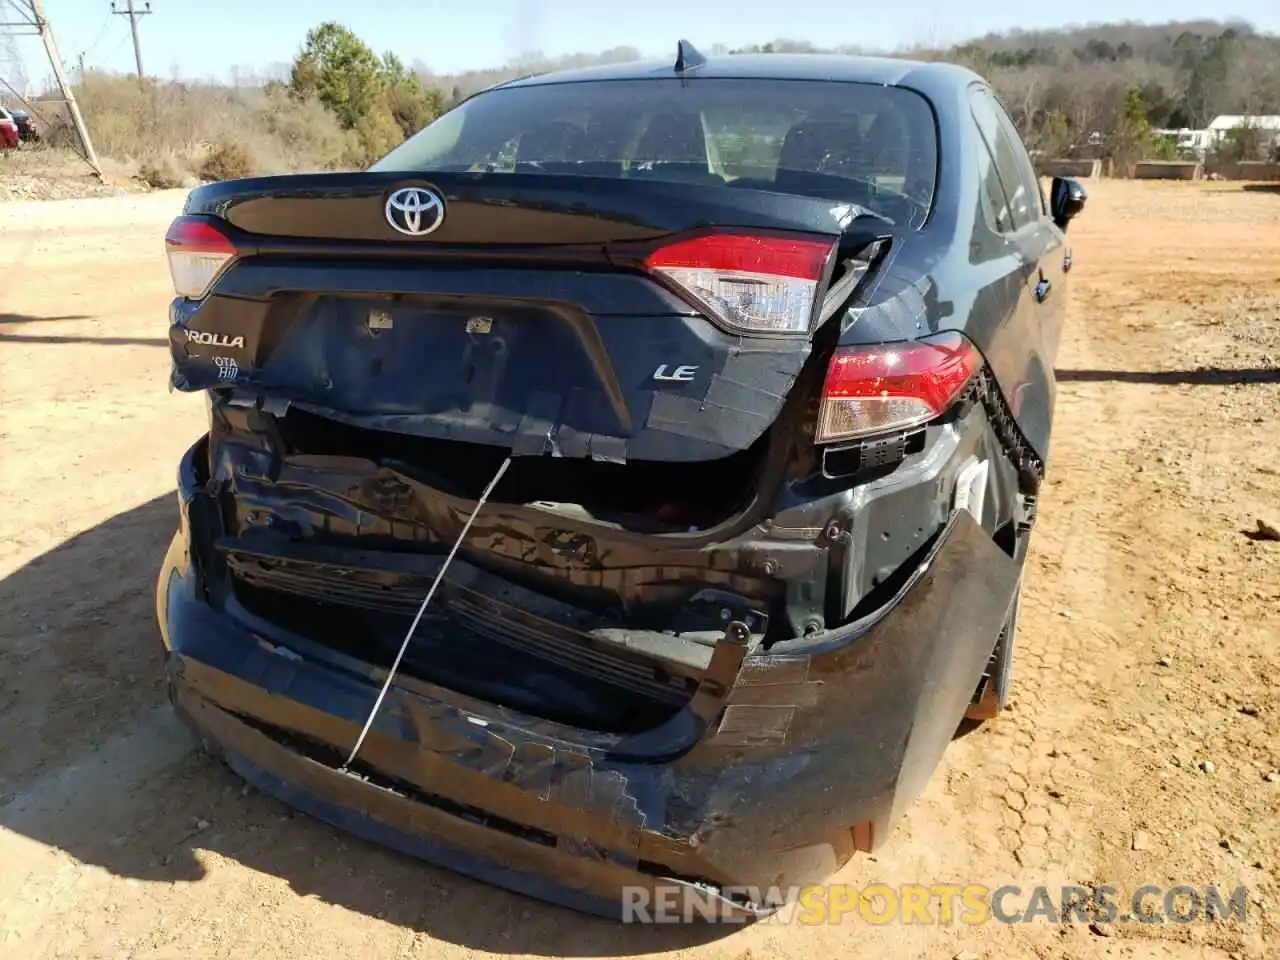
(28, 132)
(8, 130)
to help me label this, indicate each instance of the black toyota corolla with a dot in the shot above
(759, 352)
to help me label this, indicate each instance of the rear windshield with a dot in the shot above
(872, 145)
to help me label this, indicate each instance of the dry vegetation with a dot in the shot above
(343, 105)
(176, 132)
(161, 135)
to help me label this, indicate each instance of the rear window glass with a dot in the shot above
(867, 144)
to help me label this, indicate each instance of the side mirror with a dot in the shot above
(1066, 200)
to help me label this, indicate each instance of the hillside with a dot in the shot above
(1186, 74)
(1056, 83)
(343, 105)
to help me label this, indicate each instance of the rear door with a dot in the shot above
(1036, 324)
(1045, 241)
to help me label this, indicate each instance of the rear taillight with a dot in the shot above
(198, 251)
(894, 386)
(757, 284)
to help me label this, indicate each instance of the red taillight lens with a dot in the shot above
(198, 251)
(755, 284)
(893, 386)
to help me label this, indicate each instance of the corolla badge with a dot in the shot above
(415, 211)
(215, 339)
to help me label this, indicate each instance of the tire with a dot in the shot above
(995, 685)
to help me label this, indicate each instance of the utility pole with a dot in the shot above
(30, 19)
(133, 13)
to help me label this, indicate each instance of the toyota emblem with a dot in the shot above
(415, 211)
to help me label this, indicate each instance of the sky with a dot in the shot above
(207, 39)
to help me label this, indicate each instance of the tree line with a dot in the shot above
(1091, 91)
(1088, 91)
(1124, 81)
(378, 99)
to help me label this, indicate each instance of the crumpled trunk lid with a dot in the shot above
(525, 321)
(366, 386)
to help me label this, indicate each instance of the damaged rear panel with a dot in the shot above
(636, 313)
(642, 291)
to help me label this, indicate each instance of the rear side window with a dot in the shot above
(861, 143)
(1027, 170)
(1013, 168)
(993, 190)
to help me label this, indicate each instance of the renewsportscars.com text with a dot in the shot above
(938, 904)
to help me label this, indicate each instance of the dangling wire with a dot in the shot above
(386, 684)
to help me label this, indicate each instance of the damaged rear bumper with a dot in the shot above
(788, 764)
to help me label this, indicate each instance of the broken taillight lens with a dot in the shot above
(198, 252)
(757, 284)
(893, 386)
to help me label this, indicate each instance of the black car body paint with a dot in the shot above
(684, 640)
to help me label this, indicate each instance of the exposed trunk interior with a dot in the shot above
(644, 496)
(367, 387)
(488, 659)
(594, 645)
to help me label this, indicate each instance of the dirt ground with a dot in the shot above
(1143, 746)
(54, 173)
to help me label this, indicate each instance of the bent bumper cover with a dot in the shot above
(815, 754)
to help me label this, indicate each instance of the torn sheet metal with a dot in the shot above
(841, 729)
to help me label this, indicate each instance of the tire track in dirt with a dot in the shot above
(1030, 775)
(1056, 790)
(1112, 584)
(1061, 778)
(1020, 795)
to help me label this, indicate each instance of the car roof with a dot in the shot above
(889, 71)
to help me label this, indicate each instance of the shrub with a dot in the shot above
(343, 107)
(376, 134)
(229, 160)
(163, 173)
(168, 126)
(300, 134)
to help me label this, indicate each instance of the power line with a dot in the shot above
(110, 57)
(102, 33)
(133, 13)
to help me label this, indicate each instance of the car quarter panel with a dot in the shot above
(959, 273)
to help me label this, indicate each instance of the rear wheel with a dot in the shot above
(992, 694)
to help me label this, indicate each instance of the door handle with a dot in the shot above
(1042, 290)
